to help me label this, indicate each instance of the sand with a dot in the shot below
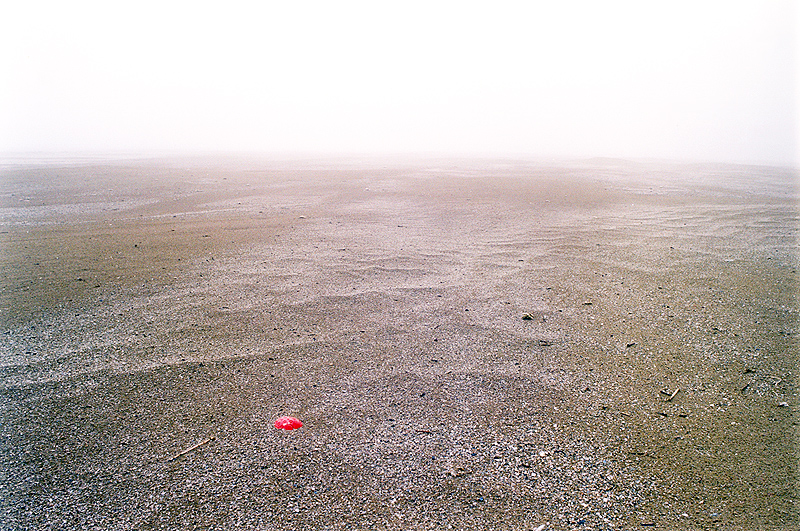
(152, 305)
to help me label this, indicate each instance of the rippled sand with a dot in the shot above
(148, 306)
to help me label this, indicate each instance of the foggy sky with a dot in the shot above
(680, 80)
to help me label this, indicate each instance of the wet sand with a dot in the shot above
(150, 305)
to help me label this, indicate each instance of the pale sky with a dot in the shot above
(694, 80)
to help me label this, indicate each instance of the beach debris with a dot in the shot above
(192, 448)
(527, 317)
(783, 404)
(288, 423)
(545, 343)
(629, 345)
(587, 303)
(677, 389)
(459, 470)
(540, 528)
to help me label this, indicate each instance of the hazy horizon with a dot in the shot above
(686, 81)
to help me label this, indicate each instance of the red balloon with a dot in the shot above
(288, 423)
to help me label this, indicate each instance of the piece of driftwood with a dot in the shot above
(673, 394)
(195, 447)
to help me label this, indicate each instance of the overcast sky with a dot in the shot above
(681, 80)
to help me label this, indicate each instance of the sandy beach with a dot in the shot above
(470, 344)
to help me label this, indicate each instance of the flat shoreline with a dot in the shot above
(150, 306)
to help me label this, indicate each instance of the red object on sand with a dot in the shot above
(288, 423)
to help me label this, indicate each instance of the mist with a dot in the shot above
(709, 81)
